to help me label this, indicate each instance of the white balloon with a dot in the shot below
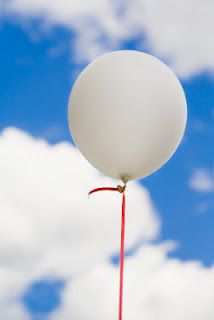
(127, 114)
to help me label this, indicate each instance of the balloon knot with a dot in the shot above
(121, 189)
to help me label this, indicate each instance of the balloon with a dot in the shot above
(127, 114)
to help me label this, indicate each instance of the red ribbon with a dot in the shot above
(122, 242)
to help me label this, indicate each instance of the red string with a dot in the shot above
(122, 243)
(122, 253)
(102, 189)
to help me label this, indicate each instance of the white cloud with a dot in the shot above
(12, 310)
(179, 31)
(48, 226)
(202, 180)
(156, 287)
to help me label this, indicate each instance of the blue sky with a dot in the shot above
(37, 72)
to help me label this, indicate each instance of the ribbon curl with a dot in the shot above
(120, 189)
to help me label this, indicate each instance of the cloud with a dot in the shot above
(202, 180)
(12, 310)
(48, 226)
(178, 31)
(156, 287)
(50, 229)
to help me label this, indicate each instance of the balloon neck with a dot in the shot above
(125, 179)
(122, 189)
